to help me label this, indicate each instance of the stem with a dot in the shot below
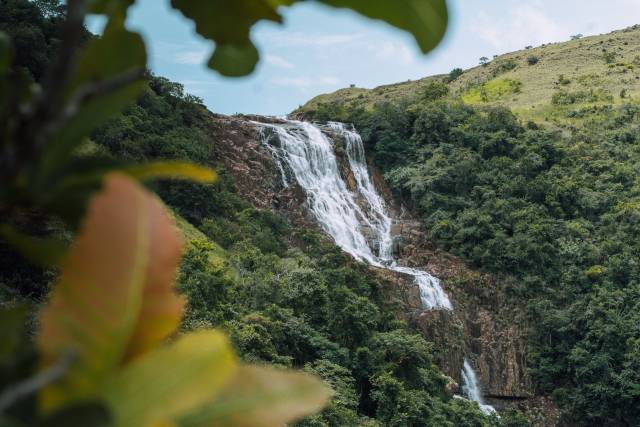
(38, 121)
(93, 90)
(35, 383)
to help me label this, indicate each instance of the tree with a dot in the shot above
(455, 73)
(484, 60)
(576, 36)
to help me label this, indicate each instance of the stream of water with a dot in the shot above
(304, 153)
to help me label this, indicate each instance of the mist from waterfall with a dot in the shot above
(303, 150)
(471, 389)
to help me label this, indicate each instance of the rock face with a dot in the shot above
(484, 326)
(240, 151)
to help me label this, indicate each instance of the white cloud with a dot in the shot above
(394, 52)
(193, 57)
(305, 82)
(278, 61)
(314, 40)
(522, 25)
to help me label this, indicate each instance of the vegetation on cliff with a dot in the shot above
(552, 210)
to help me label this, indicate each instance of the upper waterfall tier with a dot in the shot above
(305, 154)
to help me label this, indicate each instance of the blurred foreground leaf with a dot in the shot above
(229, 24)
(176, 170)
(263, 397)
(426, 20)
(115, 298)
(165, 383)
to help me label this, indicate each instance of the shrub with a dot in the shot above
(504, 66)
(609, 57)
(567, 98)
(454, 74)
(435, 90)
(563, 80)
(492, 90)
(532, 60)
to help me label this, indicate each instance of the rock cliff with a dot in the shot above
(485, 326)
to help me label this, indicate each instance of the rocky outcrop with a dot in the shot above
(240, 151)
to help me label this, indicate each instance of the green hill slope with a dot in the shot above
(538, 83)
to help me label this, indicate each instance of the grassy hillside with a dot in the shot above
(583, 73)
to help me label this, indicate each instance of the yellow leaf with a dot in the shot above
(181, 170)
(115, 298)
(143, 172)
(263, 397)
(163, 384)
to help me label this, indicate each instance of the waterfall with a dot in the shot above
(471, 389)
(303, 150)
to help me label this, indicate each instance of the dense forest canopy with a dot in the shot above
(553, 213)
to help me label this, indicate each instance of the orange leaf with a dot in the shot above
(115, 298)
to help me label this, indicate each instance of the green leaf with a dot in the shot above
(109, 7)
(426, 20)
(263, 397)
(234, 60)
(115, 299)
(170, 381)
(40, 251)
(143, 172)
(228, 24)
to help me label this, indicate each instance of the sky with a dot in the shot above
(320, 49)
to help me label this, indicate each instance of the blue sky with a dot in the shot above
(320, 49)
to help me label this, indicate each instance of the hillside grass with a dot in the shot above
(527, 80)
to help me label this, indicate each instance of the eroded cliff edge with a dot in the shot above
(485, 326)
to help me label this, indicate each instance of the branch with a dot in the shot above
(93, 90)
(35, 383)
(62, 70)
(31, 135)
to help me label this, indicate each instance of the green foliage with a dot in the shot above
(563, 97)
(556, 215)
(609, 57)
(504, 66)
(532, 59)
(435, 90)
(454, 74)
(491, 91)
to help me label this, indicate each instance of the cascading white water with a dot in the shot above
(364, 184)
(471, 389)
(308, 153)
